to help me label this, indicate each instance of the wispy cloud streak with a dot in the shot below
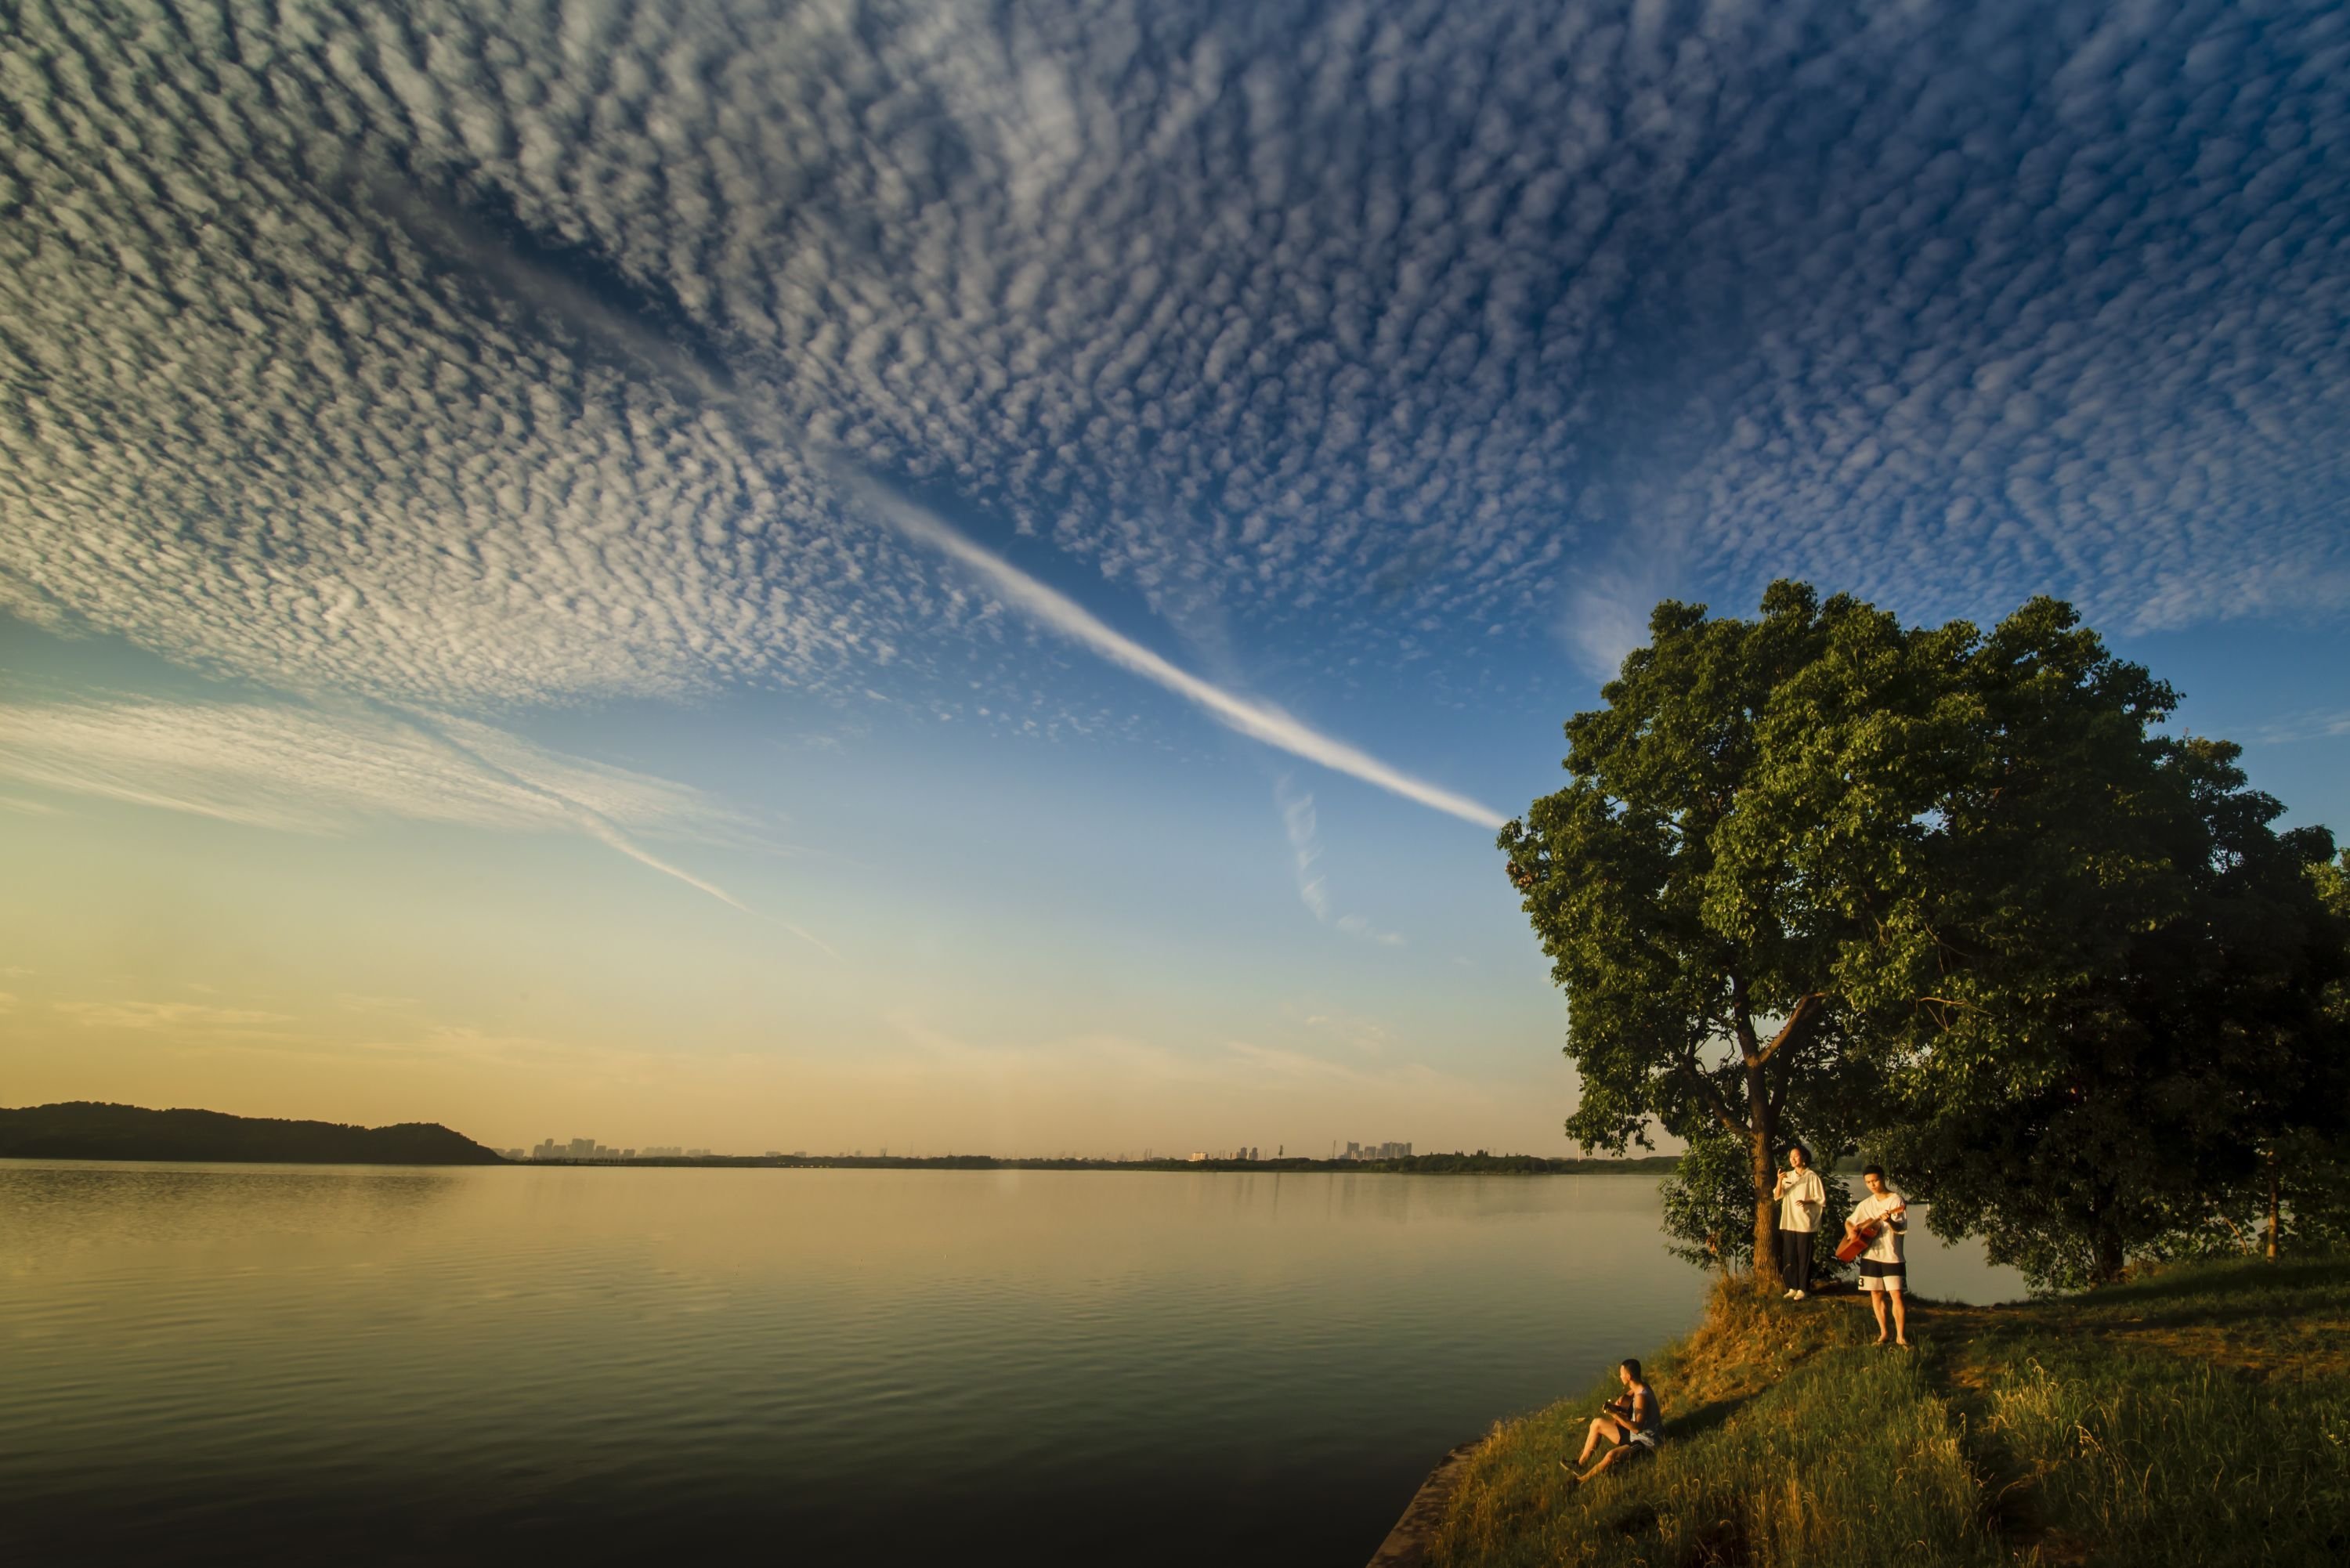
(1258, 720)
(1299, 824)
(301, 770)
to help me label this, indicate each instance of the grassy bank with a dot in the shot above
(2200, 1415)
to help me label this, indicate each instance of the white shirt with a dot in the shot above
(1885, 1247)
(1801, 1198)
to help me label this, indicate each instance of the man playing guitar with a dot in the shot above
(1873, 1233)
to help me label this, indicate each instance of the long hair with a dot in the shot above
(1632, 1364)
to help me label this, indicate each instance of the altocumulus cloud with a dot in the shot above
(1384, 324)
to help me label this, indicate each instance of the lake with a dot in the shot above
(262, 1363)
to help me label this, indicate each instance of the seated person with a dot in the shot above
(1634, 1422)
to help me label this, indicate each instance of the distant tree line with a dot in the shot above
(84, 1129)
(1962, 900)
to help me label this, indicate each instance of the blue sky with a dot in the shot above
(857, 576)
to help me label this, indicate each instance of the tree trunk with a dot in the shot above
(2273, 1206)
(2107, 1255)
(1766, 1178)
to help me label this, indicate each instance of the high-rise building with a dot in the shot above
(582, 1149)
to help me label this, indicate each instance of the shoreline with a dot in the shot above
(1527, 1167)
(1414, 1535)
(1422, 1165)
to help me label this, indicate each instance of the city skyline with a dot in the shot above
(589, 1149)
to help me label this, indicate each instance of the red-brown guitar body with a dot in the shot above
(1856, 1242)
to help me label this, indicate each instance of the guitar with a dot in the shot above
(1856, 1240)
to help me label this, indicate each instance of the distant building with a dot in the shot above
(627, 1154)
(547, 1150)
(582, 1149)
(1198, 1155)
(1376, 1152)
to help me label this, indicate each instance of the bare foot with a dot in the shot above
(1882, 1339)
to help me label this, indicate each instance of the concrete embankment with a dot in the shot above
(1408, 1543)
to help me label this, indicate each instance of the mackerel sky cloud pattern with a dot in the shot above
(475, 355)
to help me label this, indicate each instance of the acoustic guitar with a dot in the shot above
(1856, 1240)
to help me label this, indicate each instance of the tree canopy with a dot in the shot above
(2193, 1068)
(1703, 946)
(1821, 874)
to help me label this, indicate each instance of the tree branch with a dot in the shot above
(1741, 1016)
(1712, 1095)
(1807, 1010)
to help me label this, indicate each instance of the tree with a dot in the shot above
(1824, 870)
(1708, 1197)
(1701, 944)
(2204, 1078)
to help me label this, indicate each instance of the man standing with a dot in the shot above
(1801, 1199)
(1881, 1220)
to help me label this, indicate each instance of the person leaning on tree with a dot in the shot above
(1801, 1200)
(1881, 1220)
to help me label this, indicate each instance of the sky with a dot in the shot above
(944, 577)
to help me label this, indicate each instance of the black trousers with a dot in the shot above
(1796, 1258)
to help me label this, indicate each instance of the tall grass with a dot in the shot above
(2200, 1416)
(1835, 1461)
(2159, 1461)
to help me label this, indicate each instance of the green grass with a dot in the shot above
(2156, 1459)
(2198, 1417)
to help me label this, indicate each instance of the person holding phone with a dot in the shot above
(1801, 1200)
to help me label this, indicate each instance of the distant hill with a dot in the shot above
(85, 1129)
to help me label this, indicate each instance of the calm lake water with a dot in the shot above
(262, 1363)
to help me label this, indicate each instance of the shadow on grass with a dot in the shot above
(1698, 1421)
(2221, 1287)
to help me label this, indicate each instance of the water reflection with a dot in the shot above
(379, 1366)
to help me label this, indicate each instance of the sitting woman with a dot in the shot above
(1634, 1423)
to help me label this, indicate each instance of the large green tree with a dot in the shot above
(1705, 948)
(1821, 871)
(2198, 1072)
